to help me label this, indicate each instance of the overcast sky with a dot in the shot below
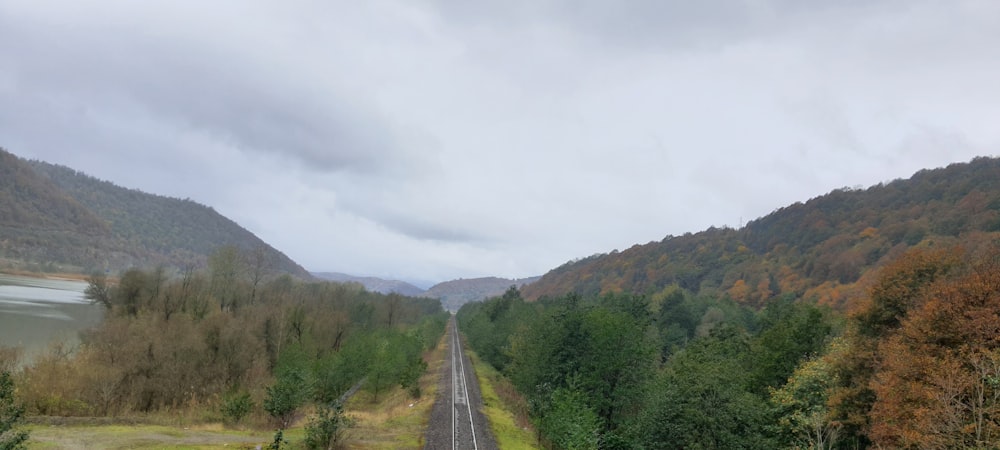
(428, 140)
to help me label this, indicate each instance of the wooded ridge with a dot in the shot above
(820, 249)
(54, 218)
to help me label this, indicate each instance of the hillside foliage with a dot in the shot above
(57, 218)
(916, 365)
(821, 249)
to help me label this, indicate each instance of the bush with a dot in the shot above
(327, 429)
(236, 406)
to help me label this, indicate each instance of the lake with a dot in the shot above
(37, 311)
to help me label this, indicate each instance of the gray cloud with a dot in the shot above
(440, 139)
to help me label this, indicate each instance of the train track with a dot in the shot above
(463, 427)
(456, 422)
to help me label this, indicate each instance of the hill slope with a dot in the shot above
(66, 217)
(820, 249)
(373, 284)
(453, 294)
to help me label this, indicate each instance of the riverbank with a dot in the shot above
(62, 276)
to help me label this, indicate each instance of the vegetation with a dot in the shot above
(54, 218)
(825, 250)
(10, 415)
(915, 365)
(504, 407)
(228, 347)
(326, 430)
(455, 293)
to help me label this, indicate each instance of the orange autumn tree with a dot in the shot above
(938, 385)
(897, 289)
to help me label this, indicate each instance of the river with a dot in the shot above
(37, 311)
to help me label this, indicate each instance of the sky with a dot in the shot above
(428, 140)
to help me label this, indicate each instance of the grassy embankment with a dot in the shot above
(505, 408)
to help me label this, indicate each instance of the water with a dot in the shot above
(35, 312)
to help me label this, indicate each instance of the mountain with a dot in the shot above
(822, 249)
(373, 284)
(55, 216)
(453, 294)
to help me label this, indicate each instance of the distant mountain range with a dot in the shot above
(373, 284)
(57, 219)
(453, 294)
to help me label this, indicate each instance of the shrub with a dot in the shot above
(236, 406)
(327, 429)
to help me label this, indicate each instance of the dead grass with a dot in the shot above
(145, 437)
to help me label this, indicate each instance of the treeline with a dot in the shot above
(231, 345)
(915, 366)
(820, 249)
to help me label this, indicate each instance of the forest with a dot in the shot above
(230, 344)
(825, 249)
(915, 365)
(55, 219)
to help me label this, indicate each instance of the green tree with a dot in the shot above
(703, 400)
(791, 331)
(10, 415)
(569, 423)
(289, 392)
(803, 418)
(128, 295)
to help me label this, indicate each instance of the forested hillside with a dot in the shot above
(54, 215)
(819, 249)
(915, 365)
(864, 318)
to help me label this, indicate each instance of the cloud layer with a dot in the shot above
(431, 140)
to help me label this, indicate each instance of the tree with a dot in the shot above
(792, 331)
(260, 264)
(224, 267)
(939, 382)
(129, 292)
(702, 399)
(899, 288)
(285, 396)
(803, 418)
(10, 415)
(569, 423)
(98, 291)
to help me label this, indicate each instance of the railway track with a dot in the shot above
(463, 427)
(456, 422)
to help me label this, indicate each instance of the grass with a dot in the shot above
(506, 411)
